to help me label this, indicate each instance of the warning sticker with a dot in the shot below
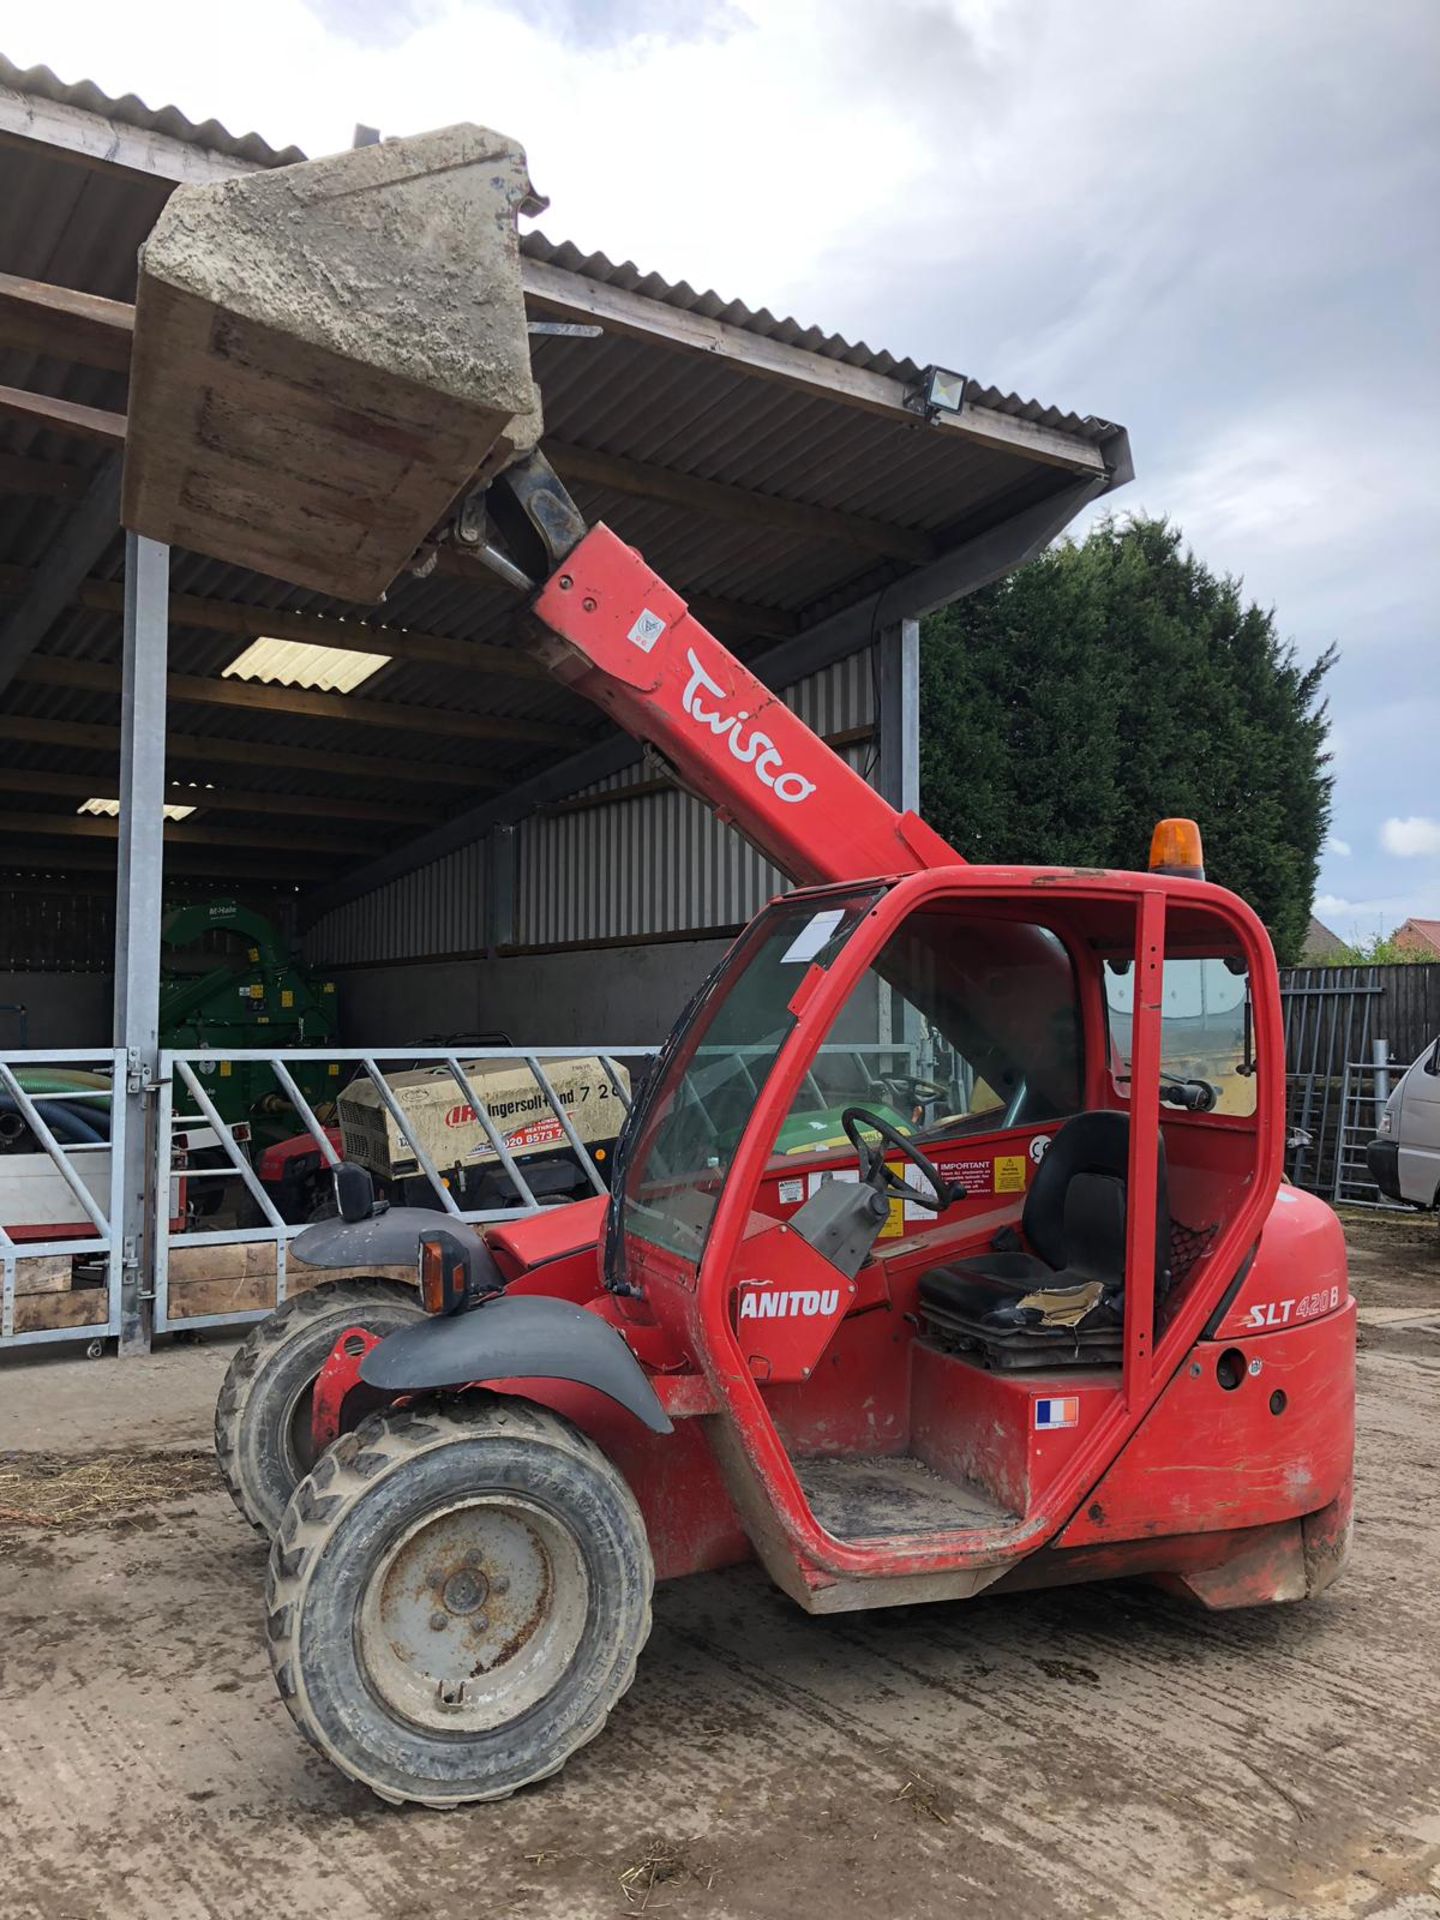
(646, 631)
(1010, 1173)
(971, 1176)
(792, 1192)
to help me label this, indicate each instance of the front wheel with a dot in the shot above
(262, 1417)
(457, 1597)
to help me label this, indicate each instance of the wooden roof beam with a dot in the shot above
(184, 833)
(250, 696)
(713, 499)
(63, 416)
(218, 863)
(249, 622)
(65, 325)
(294, 806)
(555, 292)
(201, 752)
(727, 616)
(28, 120)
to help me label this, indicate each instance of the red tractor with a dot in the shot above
(1039, 1309)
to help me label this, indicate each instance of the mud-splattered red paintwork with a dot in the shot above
(1216, 1457)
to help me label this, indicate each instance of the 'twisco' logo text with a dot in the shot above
(758, 749)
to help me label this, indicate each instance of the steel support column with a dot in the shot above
(898, 720)
(500, 882)
(138, 881)
(897, 727)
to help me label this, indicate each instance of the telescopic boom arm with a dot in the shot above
(615, 632)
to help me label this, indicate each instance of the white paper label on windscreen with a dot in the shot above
(817, 932)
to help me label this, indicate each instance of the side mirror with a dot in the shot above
(354, 1191)
(1432, 1065)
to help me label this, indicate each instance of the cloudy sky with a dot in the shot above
(1214, 220)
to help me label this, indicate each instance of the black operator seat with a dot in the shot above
(1061, 1298)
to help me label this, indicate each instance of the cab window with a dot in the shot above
(962, 1025)
(1206, 1032)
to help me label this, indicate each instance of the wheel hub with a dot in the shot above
(464, 1592)
(474, 1614)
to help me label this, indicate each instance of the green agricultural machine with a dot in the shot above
(230, 985)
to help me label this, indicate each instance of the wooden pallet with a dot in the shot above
(46, 1297)
(203, 1281)
(241, 1278)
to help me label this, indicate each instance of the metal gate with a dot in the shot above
(256, 1263)
(61, 1197)
(1330, 1019)
(1365, 1087)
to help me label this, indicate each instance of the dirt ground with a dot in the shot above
(1101, 1752)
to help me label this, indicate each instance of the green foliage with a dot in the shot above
(1111, 683)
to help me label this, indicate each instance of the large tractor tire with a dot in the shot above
(262, 1418)
(458, 1595)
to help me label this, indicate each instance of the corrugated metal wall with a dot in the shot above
(438, 910)
(663, 863)
(657, 864)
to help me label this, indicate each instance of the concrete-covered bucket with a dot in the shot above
(327, 354)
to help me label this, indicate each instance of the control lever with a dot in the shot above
(1196, 1096)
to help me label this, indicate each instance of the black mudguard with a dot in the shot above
(527, 1337)
(388, 1239)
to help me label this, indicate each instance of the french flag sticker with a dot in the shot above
(1057, 1413)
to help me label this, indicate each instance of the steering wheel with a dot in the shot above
(918, 1092)
(878, 1174)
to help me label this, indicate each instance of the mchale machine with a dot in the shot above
(1075, 1329)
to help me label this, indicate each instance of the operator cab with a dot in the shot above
(950, 1157)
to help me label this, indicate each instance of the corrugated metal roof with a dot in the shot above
(829, 346)
(130, 109)
(697, 417)
(215, 138)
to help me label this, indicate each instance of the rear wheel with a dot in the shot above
(458, 1596)
(262, 1418)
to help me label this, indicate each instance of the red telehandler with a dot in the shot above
(1040, 1309)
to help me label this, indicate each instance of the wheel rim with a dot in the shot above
(474, 1614)
(297, 1433)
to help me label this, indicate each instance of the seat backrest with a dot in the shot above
(1095, 1228)
(1091, 1143)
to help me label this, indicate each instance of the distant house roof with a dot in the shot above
(1322, 946)
(1419, 936)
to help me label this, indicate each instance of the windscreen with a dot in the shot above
(681, 1141)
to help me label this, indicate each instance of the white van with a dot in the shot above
(1404, 1156)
